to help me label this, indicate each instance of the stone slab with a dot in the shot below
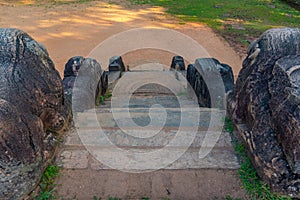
(73, 159)
(161, 139)
(218, 158)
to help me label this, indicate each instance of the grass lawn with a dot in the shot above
(238, 21)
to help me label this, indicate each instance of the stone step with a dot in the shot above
(162, 138)
(146, 127)
(149, 67)
(147, 100)
(108, 158)
(155, 108)
(151, 118)
(218, 158)
(159, 82)
(206, 150)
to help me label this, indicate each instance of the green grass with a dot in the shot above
(47, 185)
(238, 21)
(108, 94)
(102, 98)
(255, 187)
(228, 125)
(230, 198)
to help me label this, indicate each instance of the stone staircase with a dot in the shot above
(156, 143)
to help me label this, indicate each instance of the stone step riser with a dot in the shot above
(81, 159)
(160, 140)
(155, 119)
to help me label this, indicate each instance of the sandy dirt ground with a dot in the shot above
(205, 184)
(67, 30)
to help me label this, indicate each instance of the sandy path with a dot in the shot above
(205, 184)
(75, 29)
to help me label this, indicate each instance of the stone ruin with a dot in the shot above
(264, 104)
(36, 105)
(201, 78)
(35, 108)
(265, 107)
(31, 111)
(91, 82)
